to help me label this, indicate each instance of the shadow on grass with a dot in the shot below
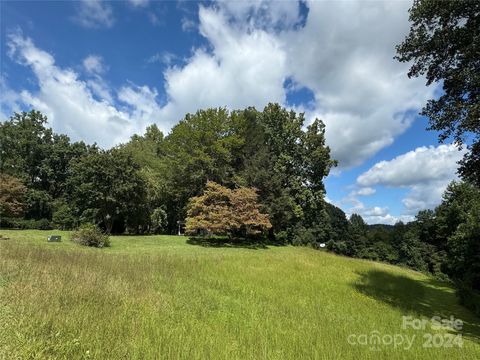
(230, 242)
(426, 298)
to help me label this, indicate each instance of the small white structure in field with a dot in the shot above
(322, 245)
(181, 226)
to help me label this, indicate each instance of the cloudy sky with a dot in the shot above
(102, 71)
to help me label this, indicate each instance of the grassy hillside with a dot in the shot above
(163, 297)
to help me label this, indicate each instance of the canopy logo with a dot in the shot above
(436, 333)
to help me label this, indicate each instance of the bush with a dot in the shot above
(158, 220)
(303, 236)
(91, 235)
(9, 223)
(338, 247)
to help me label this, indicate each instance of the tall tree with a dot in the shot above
(31, 152)
(24, 144)
(145, 151)
(288, 165)
(338, 223)
(105, 188)
(444, 46)
(470, 165)
(358, 229)
(457, 219)
(199, 148)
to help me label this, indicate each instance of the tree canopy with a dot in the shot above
(146, 183)
(268, 150)
(443, 45)
(222, 211)
(107, 187)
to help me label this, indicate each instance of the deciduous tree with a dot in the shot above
(107, 186)
(12, 196)
(443, 45)
(222, 211)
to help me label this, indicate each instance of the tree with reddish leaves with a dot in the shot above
(12, 196)
(222, 211)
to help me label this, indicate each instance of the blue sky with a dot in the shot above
(102, 71)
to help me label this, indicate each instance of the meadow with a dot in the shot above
(169, 297)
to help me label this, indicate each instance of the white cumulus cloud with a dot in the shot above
(366, 191)
(341, 51)
(266, 14)
(344, 54)
(243, 69)
(426, 171)
(71, 105)
(421, 165)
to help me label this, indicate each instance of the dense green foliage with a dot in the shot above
(443, 45)
(106, 188)
(151, 297)
(245, 173)
(266, 150)
(38, 158)
(145, 185)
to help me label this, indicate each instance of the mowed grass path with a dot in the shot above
(159, 297)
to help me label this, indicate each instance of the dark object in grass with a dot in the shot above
(54, 238)
(4, 238)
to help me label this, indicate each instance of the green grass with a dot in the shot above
(160, 297)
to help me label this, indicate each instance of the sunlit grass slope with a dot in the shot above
(163, 297)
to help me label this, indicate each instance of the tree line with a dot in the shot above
(444, 242)
(144, 185)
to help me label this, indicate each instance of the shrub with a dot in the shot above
(91, 235)
(338, 247)
(8, 223)
(303, 236)
(158, 220)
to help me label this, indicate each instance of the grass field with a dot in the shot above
(161, 297)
